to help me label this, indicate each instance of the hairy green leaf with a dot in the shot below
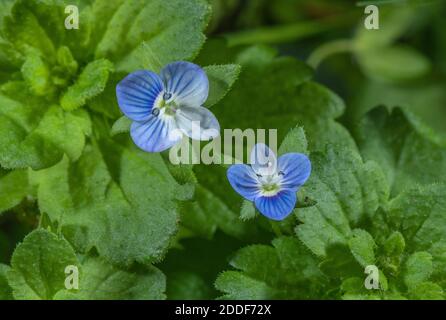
(347, 192)
(91, 200)
(37, 74)
(404, 152)
(362, 247)
(90, 83)
(418, 268)
(135, 38)
(418, 213)
(38, 266)
(35, 134)
(121, 125)
(221, 78)
(102, 281)
(285, 271)
(13, 188)
(5, 289)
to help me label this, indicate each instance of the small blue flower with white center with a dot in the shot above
(167, 106)
(269, 182)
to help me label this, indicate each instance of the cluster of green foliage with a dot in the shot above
(74, 190)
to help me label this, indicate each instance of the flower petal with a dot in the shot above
(197, 123)
(277, 207)
(296, 169)
(243, 179)
(187, 82)
(263, 160)
(137, 94)
(155, 134)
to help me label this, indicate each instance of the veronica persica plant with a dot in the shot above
(269, 182)
(167, 106)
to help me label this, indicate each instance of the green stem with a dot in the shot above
(276, 228)
(328, 49)
(39, 225)
(290, 32)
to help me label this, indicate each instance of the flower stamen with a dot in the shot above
(155, 112)
(167, 96)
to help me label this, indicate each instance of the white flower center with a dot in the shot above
(270, 184)
(164, 105)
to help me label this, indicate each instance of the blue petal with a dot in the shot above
(296, 169)
(277, 207)
(137, 93)
(155, 134)
(263, 160)
(197, 123)
(243, 179)
(187, 82)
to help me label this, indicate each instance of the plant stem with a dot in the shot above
(276, 228)
(323, 52)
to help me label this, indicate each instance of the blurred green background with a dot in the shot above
(401, 64)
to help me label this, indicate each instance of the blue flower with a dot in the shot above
(164, 107)
(269, 182)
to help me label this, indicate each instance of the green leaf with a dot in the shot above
(339, 262)
(90, 83)
(354, 289)
(221, 78)
(427, 291)
(394, 244)
(120, 126)
(379, 55)
(394, 64)
(248, 210)
(294, 141)
(66, 61)
(347, 191)
(35, 134)
(418, 213)
(132, 37)
(5, 289)
(102, 281)
(422, 104)
(394, 23)
(40, 25)
(24, 29)
(122, 186)
(37, 74)
(240, 287)
(418, 268)
(38, 266)
(406, 155)
(362, 247)
(285, 271)
(136, 38)
(13, 188)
